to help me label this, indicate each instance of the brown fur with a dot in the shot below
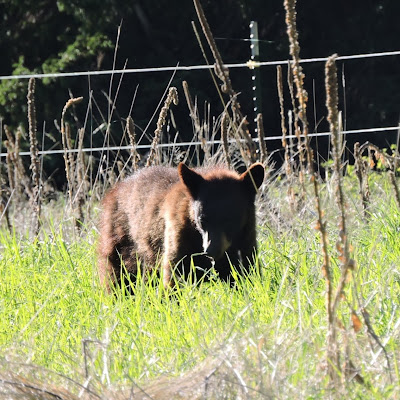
(163, 215)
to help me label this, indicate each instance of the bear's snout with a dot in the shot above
(215, 244)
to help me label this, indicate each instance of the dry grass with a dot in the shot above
(172, 97)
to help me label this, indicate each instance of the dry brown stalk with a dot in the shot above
(261, 138)
(347, 264)
(392, 176)
(196, 32)
(20, 169)
(35, 164)
(121, 170)
(204, 132)
(10, 137)
(9, 163)
(68, 166)
(298, 75)
(281, 103)
(384, 157)
(390, 162)
(290, 168)
(332, 360)
(285, 145)
(221, 71)
(199, 128)
(333, 119)
(130, 127)
(172, 97)
(17, 144)
(71, 159)
(224, 137)
(223, 74)
(361, 170)
(80, 165)
(15, 167)
(297, 132)
(192, 109)
(236, 134)
(12, 170)
(111, 177)
(3, 196)
(81, 182)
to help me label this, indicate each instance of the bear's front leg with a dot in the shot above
(167, 272)
(170, 250)
(248, 248)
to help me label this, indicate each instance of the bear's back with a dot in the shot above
(154, 178)
(146, 185)
(141, 197)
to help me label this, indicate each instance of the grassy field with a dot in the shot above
(271, 336)
(264, 339)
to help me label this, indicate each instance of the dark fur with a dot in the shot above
(165, 215)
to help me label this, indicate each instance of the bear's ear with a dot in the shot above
(254, 176)
(190, 178)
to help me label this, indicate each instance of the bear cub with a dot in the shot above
(171, 217)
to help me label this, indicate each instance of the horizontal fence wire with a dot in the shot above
(198, 143)
(249, 64)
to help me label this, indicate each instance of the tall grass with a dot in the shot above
(265, 338)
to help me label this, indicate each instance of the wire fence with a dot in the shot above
(249, 64)
(198, 143)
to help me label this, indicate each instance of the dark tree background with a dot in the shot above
(61, 36)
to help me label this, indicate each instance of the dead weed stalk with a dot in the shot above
(172, 97)
(288, 163)
(389, 161)
(333, 362)
(224, 137)
(17, 176)
(74, 166)
(130, 127)
(35, 163)
(261, 138)
(347, 264)
(249, 152)
(361, 167)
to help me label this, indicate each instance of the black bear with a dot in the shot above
(176, 217)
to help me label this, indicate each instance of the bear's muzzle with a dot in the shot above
(215, 244)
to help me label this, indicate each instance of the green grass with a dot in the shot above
(270, 331)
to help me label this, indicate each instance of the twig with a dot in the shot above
(68, 167)
(301, 94)
(130, 127)
(261, 137)
(35, 164)
(361, 170)
(224, 137)
(171, 97)
(223, 74)
(192, 110)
